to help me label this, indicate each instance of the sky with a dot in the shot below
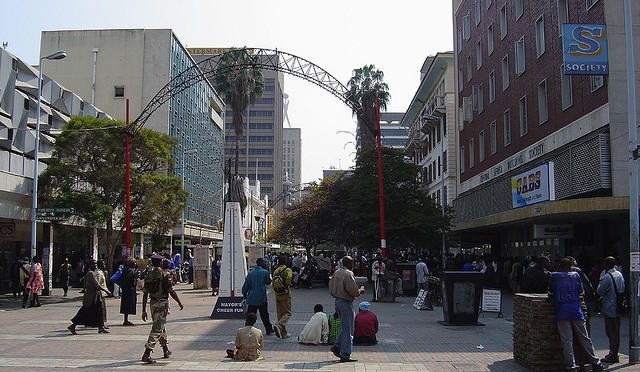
(337, 35)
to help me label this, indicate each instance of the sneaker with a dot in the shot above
(276, 329)
(597, 367)
(286, 336)
(270, 332)
(347, 360)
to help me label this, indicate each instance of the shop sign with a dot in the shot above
(553, 231)
(585, 49)
(533, 186)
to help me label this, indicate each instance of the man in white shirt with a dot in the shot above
(316, 331)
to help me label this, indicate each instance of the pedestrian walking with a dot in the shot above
(283, 300)
(344, 289)
(157, 289)
(565, 287)
(102, 275)
(254, 290)
(611, 283)
(129, 297)
(215, 276)
(25, 274)
(36, 282)
(64, 276)
(90, 314)
(15, 277)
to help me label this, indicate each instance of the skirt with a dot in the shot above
(91, 316)
(128, 301)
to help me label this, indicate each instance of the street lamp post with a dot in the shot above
(34, 206)
(440, 120)
(183, 208)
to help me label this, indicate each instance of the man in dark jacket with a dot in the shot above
(254, 291)
(536, 278)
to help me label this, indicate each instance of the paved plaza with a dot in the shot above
(409, 339)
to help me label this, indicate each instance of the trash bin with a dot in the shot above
(462, 293)
(407, 273)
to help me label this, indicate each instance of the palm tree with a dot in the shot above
(365, 86)
(241, 82)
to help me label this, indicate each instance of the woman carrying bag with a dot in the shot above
(90, 314)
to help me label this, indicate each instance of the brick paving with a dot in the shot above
(409, 339)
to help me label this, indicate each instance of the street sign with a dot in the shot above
(54, 210)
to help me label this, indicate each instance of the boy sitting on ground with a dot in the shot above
(316, 331)
(248, 341)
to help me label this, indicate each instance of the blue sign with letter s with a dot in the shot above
(585, 49)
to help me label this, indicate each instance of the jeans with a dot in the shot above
(345, 337)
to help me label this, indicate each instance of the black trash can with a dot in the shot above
(461, 296)
(407, 273)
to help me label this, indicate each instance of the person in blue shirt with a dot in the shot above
(565, 287)
(609, 310)
(254, 291)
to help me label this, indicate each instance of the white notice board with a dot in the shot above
(491, 300)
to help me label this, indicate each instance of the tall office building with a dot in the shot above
(261, 143)
(543, 155)
(110, 66)
(292, 155)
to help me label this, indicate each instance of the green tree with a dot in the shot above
(412, 219)
(87, 172)
(241, 82)
(345, 208)
(367, 84)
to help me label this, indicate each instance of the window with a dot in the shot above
(479, 55)
(519, 9)
(543, 106)
(566, 87)
(444, 161)
(26, 104)
(466, 27)
(591, 3)
(459, 40)
(520, 60)
(506, 121)
(478, 104)
(505, 72)
(522, 115)
(471, 153)
(597, 81)
(118, 92)
(563, 14)
(478, 12)
(481, 146)
(469, 68)
(492, 86)
(460, 78)
(540, 43)
(490, 36)
(503, 21)
(462, 154)
(493, 137)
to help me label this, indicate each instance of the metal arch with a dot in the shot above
(268, 59)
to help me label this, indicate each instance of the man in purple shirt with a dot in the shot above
(565, 287)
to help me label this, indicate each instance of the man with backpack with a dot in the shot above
(282, 287)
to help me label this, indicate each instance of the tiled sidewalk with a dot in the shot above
(409, 339)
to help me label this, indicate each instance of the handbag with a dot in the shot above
(621, 301)
(117, 277)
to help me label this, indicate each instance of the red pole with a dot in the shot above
(127, 140)
(383, 234)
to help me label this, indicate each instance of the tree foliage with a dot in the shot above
(345, 208)
(240, 85)
(365, 86)
(87, 173)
